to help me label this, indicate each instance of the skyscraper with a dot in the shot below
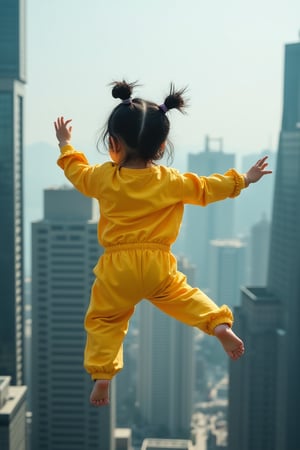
(284, 262)
(254, 378)
(12, 79)
(165, 381)
(264, 394)
(216, 221)
(64, 252)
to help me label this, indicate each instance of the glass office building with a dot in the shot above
(264, 395)
(12, 80)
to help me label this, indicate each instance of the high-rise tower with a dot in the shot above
(264, 394)
(12, 80)
(64, 252)
(284, 262)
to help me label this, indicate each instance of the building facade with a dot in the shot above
(12, 80)
(284, 266)
(264, 395)
(254, 378)
(64, 252)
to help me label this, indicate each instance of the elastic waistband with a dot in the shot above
(137, 246)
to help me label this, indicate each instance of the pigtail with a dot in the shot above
(175, 99)
(122, 89)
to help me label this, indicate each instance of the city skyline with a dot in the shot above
(229, 56)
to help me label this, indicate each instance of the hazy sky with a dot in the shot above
(230, 53)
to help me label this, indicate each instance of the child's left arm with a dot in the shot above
(63, 131)
(74, 163)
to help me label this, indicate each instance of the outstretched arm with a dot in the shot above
(63, 131)
(256, 172)
(74, 163)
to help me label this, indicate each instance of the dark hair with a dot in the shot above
(142, 125)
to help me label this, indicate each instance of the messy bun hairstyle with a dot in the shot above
(141, 125)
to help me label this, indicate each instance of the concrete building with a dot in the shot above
(64, 252)
(12, 415)
(216, 221)
(12, 80)
(167, 444)
(253, 379)
(123, 438)
(227, 271)
(257, 201)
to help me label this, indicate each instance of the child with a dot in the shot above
(141, 206)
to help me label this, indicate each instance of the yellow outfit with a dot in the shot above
(140, 216)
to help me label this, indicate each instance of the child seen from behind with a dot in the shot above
(141, 206)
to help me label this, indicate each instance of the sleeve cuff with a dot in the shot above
(239, 182)
(223, 315)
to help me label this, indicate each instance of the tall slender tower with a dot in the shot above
(264, 385)
(12, 80)
(64, 252)
(284, 266)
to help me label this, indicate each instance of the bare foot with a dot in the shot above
(100, 393)
(232, 344)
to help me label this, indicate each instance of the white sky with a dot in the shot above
(230, 53)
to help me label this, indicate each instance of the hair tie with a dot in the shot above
(127, 101)
(163, 108)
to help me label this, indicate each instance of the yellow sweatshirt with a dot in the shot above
(143, 205)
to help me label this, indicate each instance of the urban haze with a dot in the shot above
(177, 389)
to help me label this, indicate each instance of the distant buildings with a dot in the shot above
(264, 385)
(64, 252)
(165, 381)
(216, 221)
(257, 200)
(12, 415)
(12, 80)
(227, 271)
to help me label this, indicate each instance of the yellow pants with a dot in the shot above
(125, 275)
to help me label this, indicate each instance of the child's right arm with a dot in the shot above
(257, 171)
(201, 190)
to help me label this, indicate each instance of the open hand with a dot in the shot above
(63, 130)
(257, 171)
